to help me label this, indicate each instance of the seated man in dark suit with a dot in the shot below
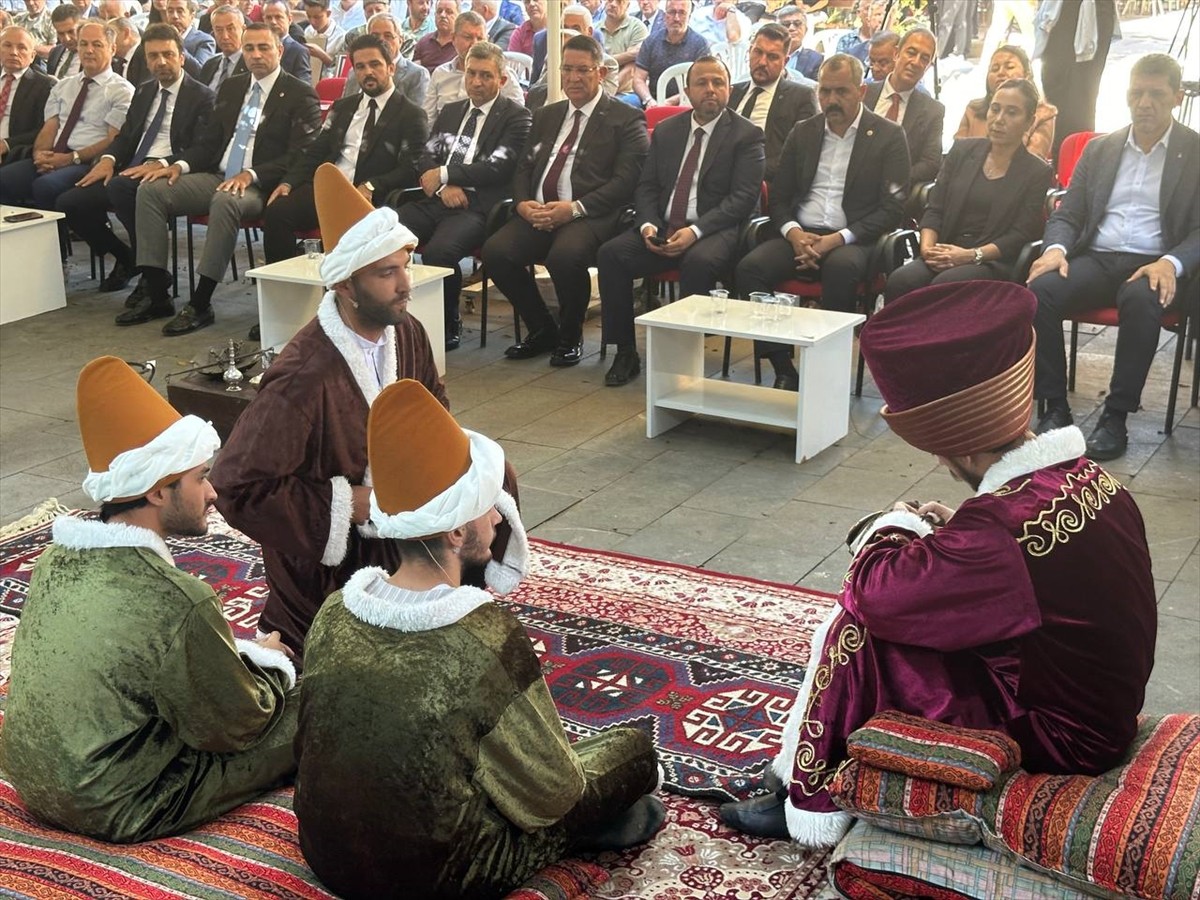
(881, 55)
(227, 175)
(294, 58)
(575, 179)
(25, 91)
(227, 27)
(769, 99)
(701, 183)
(466, 169)
(165, 115)
(499, 30)
(841, 184)
(374, 137)
(899, 98)
(63, 61)
(1127, 234)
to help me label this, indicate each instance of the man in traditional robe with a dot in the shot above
(1030, 610)
(467, 785)
(133, 713)
(294, 474)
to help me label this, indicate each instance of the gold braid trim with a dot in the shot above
(1080, 500)
(816, 776)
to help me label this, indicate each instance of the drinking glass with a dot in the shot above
(312, 248)
(785, 304)
(760, 299)
(720, 299)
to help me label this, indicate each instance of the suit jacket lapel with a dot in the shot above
(716, 143)
(864, 143)
(490, 124)
(955, 199)
(814, 136)
(1107, 175)
(550, 145)
(1172, 172)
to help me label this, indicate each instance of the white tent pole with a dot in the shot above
(554, 10)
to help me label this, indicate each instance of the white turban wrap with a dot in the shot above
(374, 236)
(185, 444)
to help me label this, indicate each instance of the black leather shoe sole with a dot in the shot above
(188, 321)
(145, 312)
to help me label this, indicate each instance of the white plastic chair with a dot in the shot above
(520, 64)
(677, 71)
(735, 57)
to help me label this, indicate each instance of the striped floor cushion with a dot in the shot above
(1131, 832)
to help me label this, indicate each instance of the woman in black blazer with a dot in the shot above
(986, 204)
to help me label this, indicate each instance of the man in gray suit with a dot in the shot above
(1127, 234)
(899, 98)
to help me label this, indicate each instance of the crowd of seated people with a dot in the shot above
(845, 159)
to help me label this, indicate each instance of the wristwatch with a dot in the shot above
(76, 158)
(979, 256)
(370, 187)
(576, 210)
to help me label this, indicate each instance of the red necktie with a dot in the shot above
(550, 183)
(61, 145)
(5, 93)
(893, 112)
(683, 187)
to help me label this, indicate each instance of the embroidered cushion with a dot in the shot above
(569, 879)
(964, 757)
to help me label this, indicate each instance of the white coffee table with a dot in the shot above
(676, 387)
(290, 291)
(31, 275)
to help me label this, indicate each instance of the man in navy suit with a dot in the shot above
(800, 58)
(1126, 234)
(198, 47)
(295, 60)
(149, 140)
(227, 25)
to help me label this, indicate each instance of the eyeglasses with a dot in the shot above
(576, 70)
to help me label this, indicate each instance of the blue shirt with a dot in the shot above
(657, 54)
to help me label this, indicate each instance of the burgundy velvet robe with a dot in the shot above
(1031, 612)
(274, 477)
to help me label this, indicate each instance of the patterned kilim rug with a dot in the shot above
(707, 664)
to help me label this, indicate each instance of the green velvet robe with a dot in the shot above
(432, 759)
(132, 712)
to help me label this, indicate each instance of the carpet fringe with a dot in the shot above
(45, 513)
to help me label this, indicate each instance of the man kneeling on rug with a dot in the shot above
(1029, 610)
(432, 759)
(132, 711)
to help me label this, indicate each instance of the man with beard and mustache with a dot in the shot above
(294, 474)
(182, 722)
(465, 784)
(841, 184)
(411, 80)
(374, 138)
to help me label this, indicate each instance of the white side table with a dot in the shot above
(676, 387)
(289, 292)
(31, 275)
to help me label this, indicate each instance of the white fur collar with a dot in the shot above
(362, 596)
(1048, 449)
(90, 534)
(342, 338)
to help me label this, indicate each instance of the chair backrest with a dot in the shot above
(677, 73)
(735, 57)
(656, 114)
(330, 89)
(346, 67)
(520, 64)
(1068, 154)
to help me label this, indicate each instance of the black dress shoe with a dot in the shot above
(454, 333)
(535, 344)
(136, 295)
(788, 381)
(145, 311)
(189, 319)
(635, 826)
(255, 333)
(773, 782)
(1109, 440)
(1054, 417)
(761, 816)
(117, 279)
(567, 355)
(626, 366)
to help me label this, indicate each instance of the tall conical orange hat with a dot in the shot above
(429, 474)
(339, 205)
(354, 233)
(135, 440)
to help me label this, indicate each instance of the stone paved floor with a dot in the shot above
(709, 493)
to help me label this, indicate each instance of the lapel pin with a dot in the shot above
(870, 134)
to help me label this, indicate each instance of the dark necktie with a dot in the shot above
(151, 134)
(683, 187)
(550, 183)
(223, 72)
(5, 93)
(753, 98)
(372, 109)
(893, 112)
(118, 66)
(463, 144)
(62, 145)
(67, 58)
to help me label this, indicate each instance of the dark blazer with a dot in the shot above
(922, 123)
(388, 159)
(1013, 222)
(209, 71)
(793, 102)
(807, 62)
(607, 162)
(54, 59)
(138, 72)
(876, 177)
(28, 114)
(501, 32)
(295, 60)
(730, 179)
(189, 119)
(1075, 222)
(497, 149)
(290, 119)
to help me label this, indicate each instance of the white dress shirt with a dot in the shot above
(564, 180)
(161, 148)
(267, 84)
(692, 212)
(12, 95)
(348, 161)
(372, 352)
(105, 107)
(822, 208)
(446, 86)
(762, 105)
(234, 58)
(885, 100)
(469, 157)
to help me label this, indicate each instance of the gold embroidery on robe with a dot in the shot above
(1081, 499)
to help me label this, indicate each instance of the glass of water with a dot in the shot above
(720, 300)
(312, 248)
(761, 300)
(785, 303)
